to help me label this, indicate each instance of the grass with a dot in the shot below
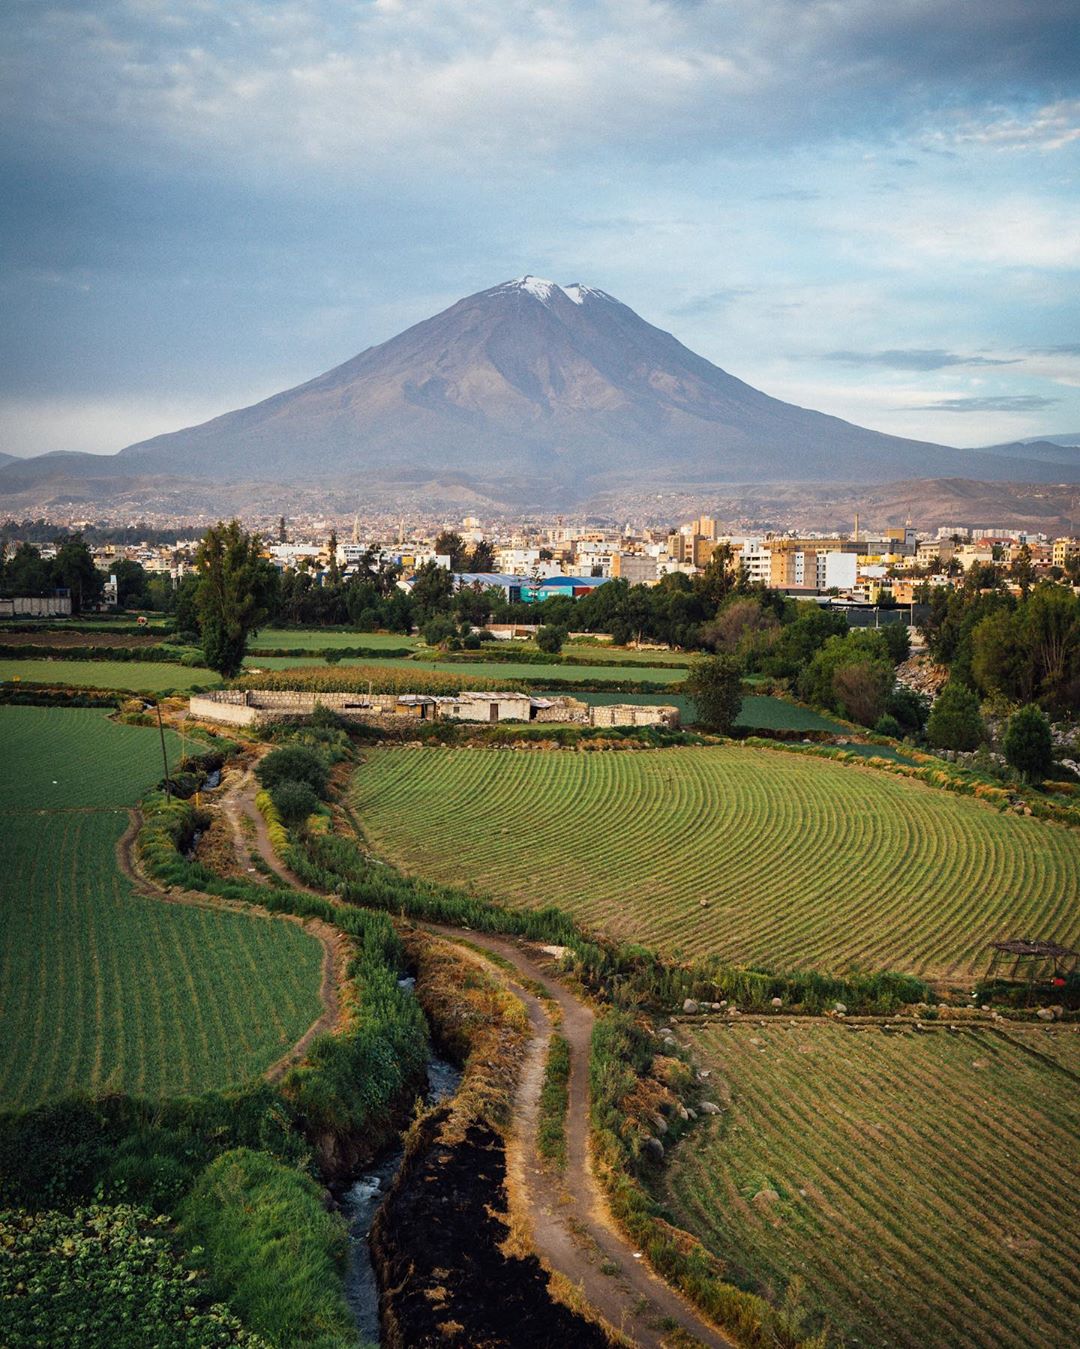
(916, 1184)
(103, 989)
(803, 863)
(327, 639)
(136, 676)
(554, 1100)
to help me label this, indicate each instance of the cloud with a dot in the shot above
(355, 89)
(709, 304)
(989, 403)
(913, 359)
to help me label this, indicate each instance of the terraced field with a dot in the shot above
(923, 1187)
(138, 676)
(803, 862)
(762, 713)
(103, 989)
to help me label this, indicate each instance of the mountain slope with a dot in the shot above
(535, 393)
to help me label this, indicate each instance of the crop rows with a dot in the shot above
(144, 677)
(920, 1186)
(105, 990)
(76, 757)
(801, 862)
(102, 989)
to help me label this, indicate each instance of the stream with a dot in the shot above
(360, 1202)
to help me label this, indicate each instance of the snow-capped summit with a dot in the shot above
(532, 391)
(543, 290)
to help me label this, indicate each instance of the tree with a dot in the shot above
(294, 763)
(132, 585)
(742, 628)
(1027, 743)
(955, 720)
(432, 589)
(1022, 570)
(715, 685)
(451, 544)
(236, 589)
(482, 557)
(550, 638)
(862, 689)
(73, 568)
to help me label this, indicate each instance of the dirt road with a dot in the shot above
(572, 1230)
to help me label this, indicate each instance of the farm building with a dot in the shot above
(253, 707)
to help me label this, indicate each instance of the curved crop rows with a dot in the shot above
(920, 1186)
(101, 989)
(800, 862)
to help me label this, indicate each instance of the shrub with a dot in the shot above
(550, 638)
(715, 685)
(295, 801)
(295, 763)
(955, 720)
(888, 725)
(1027, 743)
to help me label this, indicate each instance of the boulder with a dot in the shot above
(653, 1150)
(839, 1007)
(778, 1002)
(690, 1007)
(709, 1108)
(1045, 1014)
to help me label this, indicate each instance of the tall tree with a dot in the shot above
(451, 544)
(715, 685)
(235, 592)
(955, 720)
(73, 568)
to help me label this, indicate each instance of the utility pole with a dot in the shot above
(164, 756)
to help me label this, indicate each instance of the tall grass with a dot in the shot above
(273, 1249)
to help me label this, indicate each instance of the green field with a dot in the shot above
(804, 863)
(133, 676)
(77, 758)
(101, 988)
(762, 713)
(922, 1186)
(327, 639)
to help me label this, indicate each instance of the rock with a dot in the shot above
(1045, 1014)
(704, 1073)
(709, 1108)
(660, 1124)
(980, 1063)
(723, 1002)
(703, 903)
(839, 1007)
(690, 1007)
(778, 1002)
(691, 1114)
(653, 1149)
(766, 1196)
(733, 1011)
(683, 1113)
(716, 1006)
(985, 1007)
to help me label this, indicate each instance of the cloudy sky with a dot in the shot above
(869, 207)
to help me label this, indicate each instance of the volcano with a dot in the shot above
(537, 393)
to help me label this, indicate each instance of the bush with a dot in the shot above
(295, 763)
(888, 725)
(1027, 743)
(715, 685)
(955, 720)
(295, 801)
(550, 638)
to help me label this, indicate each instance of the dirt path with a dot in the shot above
(572, 1229)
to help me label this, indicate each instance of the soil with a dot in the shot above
(436, 1243)
(571, 1227)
